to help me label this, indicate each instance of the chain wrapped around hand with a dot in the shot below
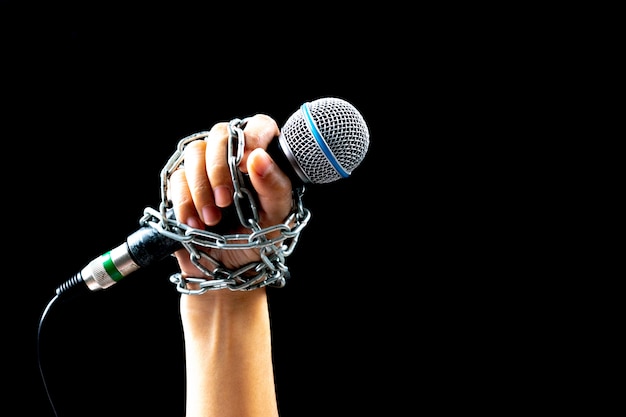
(270, 269)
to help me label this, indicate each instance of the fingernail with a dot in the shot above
(195, 222)
(223, 196)
(211, 214)
(262, 164)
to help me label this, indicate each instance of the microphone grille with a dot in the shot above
(325, 140)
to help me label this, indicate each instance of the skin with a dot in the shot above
(229, 368)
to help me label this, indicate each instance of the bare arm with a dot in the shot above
(228, 353)
(229, 369)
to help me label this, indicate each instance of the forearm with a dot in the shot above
(229, 367)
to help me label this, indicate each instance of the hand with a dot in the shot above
(202, 186)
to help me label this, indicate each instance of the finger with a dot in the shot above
(273, 188)
(217, 167)
(199, 184)
(182, 201)
(260, 130)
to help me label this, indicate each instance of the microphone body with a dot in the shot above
(142, 248)
(323, 141)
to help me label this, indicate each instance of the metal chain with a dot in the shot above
(270, 269)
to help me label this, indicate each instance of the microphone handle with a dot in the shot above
(142, 248)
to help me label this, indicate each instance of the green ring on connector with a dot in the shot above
(110, 267)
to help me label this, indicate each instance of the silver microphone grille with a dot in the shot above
(325, 140)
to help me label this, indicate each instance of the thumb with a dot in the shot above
(273, 187)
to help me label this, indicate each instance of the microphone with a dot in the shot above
(323, 141)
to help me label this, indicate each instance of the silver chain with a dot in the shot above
(270, 269)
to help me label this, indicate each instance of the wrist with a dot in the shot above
(212, 307)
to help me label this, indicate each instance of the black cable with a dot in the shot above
(69, 289)
(43, 378)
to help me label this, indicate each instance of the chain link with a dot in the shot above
(270, 269)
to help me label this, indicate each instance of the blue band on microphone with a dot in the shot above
(321, 142)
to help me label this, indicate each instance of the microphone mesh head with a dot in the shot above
(326, 138)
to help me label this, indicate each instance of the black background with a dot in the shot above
(388, 307)
(96, 98)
